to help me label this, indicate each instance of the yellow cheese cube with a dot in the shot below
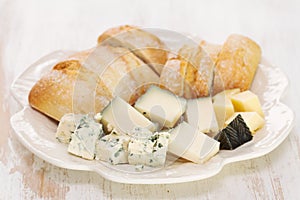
(161, 106)
(246, 101)
(253, 120)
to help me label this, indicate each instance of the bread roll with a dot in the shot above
(143, 44)
(236, 63)
(89, 83)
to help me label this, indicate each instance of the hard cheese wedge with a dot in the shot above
(223, 109)
(161, 106)
(189, 143)
(253, 120)
(124, 118)
(247, 101)
(234, 135)
(200, 114)
(223, 106)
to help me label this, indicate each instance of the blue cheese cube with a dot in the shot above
(113, 148)
(83, 140)
(150, 151)
(67, 126)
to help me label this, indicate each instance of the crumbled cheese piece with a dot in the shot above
(113, 148)
(67, 126)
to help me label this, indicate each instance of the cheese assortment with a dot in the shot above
(132, 138)
(151, 101)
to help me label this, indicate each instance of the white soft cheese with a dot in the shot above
(83, 140)
(113, 148)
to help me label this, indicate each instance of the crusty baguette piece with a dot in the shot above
(89, 83)
(213, 50)
(53, 94)
(236, 63)
(172, 76)
(143, 44)
(199, 71)
(190, 74)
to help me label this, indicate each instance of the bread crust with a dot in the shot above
(143, 44)
(213, 50)
(77, 86)
(172, 76)
(236, 63)
(199, 71)
(190, 74)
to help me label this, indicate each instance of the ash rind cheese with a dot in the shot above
(234, 135)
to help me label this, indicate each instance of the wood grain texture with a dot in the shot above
(31, 29)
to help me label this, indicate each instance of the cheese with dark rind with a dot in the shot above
(234, 135)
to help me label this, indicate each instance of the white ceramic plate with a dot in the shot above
(37, 132)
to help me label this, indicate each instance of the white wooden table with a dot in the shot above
(31, 29)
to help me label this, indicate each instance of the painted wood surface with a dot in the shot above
(31, 29)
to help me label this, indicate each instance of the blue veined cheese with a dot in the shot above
(67, 126)
(113, 148)
(150, 151)
(83, 140)
(141, 133)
